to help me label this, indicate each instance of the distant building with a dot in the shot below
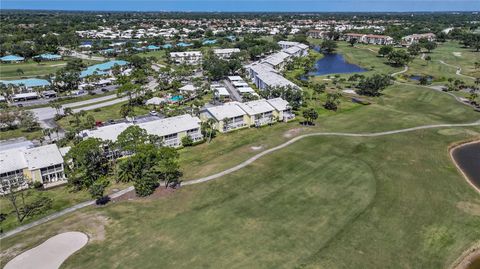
(317, 34)
(369, 39)
(103, 68)
(41, 164)
(187, 57)
(225, 53)
(12, 59)
(264, 76)
(49, 57)
(411, 39)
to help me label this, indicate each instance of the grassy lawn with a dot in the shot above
(329, 197)
(20, 132)
(323, 202)
(159, 54)
(102, 114)
(32, 69)
(61, 196)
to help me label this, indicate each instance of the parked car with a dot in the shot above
(153, 113)
(104, 90)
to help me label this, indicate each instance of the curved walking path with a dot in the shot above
(459, 70)
(293, 140)
(238, 167)
(51, 253)
(400, 72)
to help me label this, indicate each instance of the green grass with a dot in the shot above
(20, 132)
(62, 197)
(323, 202)
(159, 54)
(102, 114)
(32, 69)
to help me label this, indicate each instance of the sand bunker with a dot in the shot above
(51, 253)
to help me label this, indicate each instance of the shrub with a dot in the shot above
(37, 185)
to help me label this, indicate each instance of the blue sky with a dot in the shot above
(247, 5)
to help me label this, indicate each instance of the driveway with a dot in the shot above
(234, 94)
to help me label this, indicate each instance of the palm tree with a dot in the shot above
(48, 132)
(125, 172)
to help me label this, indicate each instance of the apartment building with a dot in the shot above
(186, 57)
(225, 53)
(415, 38)
(25, 166)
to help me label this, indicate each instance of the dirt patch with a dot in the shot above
(131, 195)
(255, 148)
(292, 132)
(469, 208)
(457, 54)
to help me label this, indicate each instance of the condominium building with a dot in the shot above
(171, 130)
(369, 39)
(264, 77)
(186, 57)
(24, 166)
(236, 115)
(415, 38)
(225, 53)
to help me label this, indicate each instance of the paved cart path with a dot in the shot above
(240, 166)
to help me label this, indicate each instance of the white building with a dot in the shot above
(43, 164)
(411, 39)
(264, 76)
(171, 130)
(187, 57)
(225, 53)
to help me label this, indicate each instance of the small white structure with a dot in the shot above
(187, 57)
(189, 88)
(155, 101)
(225, 53)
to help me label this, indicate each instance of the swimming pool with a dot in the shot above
(176, 98)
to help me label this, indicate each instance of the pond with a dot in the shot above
(418, 77)
(334, 63)
(467, 158)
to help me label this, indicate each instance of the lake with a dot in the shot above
(467, 158)
(334, 63)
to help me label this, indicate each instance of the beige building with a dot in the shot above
(236, 115)
(27, 165)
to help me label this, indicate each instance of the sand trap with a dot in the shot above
(257, 147)
(349, 91)
(457, 54)
(51, 253)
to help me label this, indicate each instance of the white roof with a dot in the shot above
(188, 88)
(11, 160)
(276, 58)
(292, 50)
(235, 78)
(245, 90)
(287, 43)
(171, 125)
(185, 53)
(161, 127)
(155, 101)
(222, 91)
(256, 107)
(228, 110)
(25, 95)
(279, 104)
(271, 78)
(32, 158)
(222, 51)
(43, 156)
(109, 132)
(240, 84)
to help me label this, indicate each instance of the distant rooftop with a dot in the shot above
(101, 68)
(29, 82)
(11, 58)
